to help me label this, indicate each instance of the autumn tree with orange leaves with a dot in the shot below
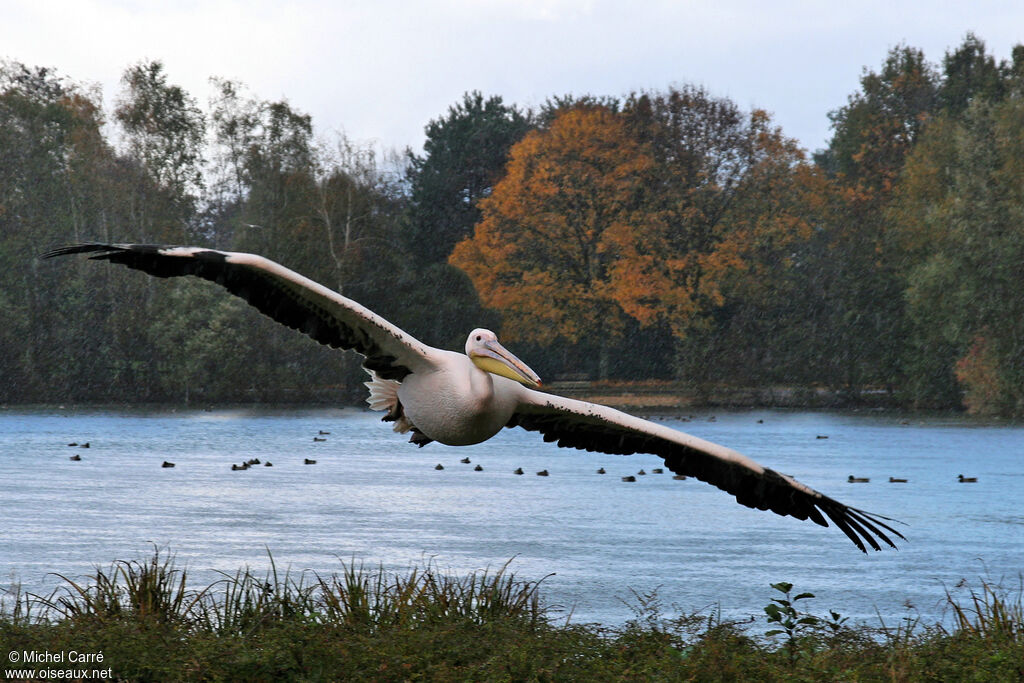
(731, 191)
(607, 221)
(546, 252)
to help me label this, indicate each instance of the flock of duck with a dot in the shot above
(899, 480)
(545, 473)
(322, 437)
(251, 462)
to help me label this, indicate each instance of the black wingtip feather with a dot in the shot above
(873, 522)
(766, 490)
(78, 249)
(840, 521)
(269, 294)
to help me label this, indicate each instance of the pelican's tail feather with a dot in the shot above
(383, 392)
(384, 396)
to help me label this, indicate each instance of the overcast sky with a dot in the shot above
(379, 70)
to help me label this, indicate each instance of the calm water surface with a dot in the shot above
(373, 498)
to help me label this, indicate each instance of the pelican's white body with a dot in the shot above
(457, 403)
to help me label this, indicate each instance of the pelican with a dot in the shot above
(466, 398)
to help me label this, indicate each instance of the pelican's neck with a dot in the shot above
(481, 385)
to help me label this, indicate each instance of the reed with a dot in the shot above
(152, 590)
(18, 607)
(995, 613)
(243, 603)
(372, 600)
(424, 623)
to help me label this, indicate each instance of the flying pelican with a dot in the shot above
(461, 399)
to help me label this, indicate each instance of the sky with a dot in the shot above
(380, 70)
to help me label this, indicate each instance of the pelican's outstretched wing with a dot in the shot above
(593, 427)
(281, 294)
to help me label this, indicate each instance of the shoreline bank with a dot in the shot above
(647, 396)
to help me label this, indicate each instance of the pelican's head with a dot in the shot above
(483, 349)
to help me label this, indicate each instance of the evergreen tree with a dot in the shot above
(464, 156)
(970, 74)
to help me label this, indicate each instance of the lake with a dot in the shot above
(372, 498)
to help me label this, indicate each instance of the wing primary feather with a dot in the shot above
(815, 515)
(278, 293)
(582, 425)
(861, 531)
(873, 522)
(840, 522)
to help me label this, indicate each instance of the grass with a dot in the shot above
(425, 624)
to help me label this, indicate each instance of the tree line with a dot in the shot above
(657, 235)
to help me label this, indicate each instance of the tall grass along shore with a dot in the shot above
(140, 620)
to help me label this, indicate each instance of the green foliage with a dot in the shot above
(971, 75)
(782, 611)
(200, 337)
(165, 129)
(436, 303)
(59, 181)
(795, 624)
(426, 624)
(464, 156)
(855, 272)
(882, 121)
(82, 332)
(965, 295)
(921, 293)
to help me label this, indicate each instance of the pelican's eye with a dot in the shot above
(478, 337)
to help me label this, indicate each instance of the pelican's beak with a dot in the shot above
(496, 359)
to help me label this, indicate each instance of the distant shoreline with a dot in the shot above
(671, 396)
(650, 396)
